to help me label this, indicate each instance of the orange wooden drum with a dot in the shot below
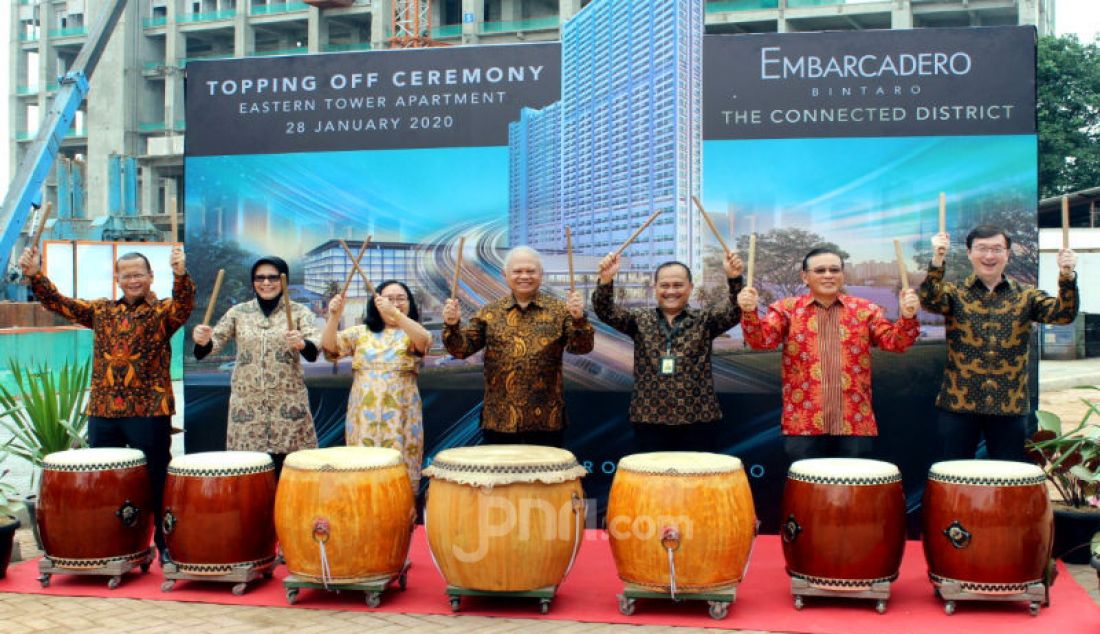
(94, 507)
(504, 518)
(344, 514)
(698, 505)
(843, 522)
(987, 524)
(219, 511)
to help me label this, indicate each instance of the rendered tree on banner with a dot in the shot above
(779, 255)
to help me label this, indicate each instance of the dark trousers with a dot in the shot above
(827, 446)
(545, 438)
(691, 437)
(152, 435)
(278, 459)
(1004, 436)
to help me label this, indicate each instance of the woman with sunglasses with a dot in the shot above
(387, 349)
(268, 403)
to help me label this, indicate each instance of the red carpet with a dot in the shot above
(763, 600)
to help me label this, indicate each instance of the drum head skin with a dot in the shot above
(343, 459)
(846, 471)
(680, 463)
(493, 465)
(93, 459)
(218, 463)
(986, 473)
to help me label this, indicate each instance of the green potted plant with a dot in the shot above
(1071, 461)
(10, 504)
(46, 413)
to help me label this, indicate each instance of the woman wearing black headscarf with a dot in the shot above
(268, 404)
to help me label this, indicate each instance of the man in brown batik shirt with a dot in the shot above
(524, 335)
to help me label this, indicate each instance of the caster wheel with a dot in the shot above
(403, 581)
(168, 585)
(626, 605)
(292, 595)
(936, 591)
(799, 602)
(1033, 608)
(719, 609)
(114, 581)
(544, 606)
(880, 606)
(455, 603)
(373, 599)
(44, 580)
(949, 608)
(238, 589)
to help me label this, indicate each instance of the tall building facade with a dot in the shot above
(534, 178)
(135, 107)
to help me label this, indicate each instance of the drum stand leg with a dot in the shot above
(1035, 593)
(544, 595)
(115, 568)
(239, 574)
(718, 600)
(878, 590)
(372, 589)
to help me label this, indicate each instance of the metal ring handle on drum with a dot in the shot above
(670, 541)
(321, 530)
(957, 534)
(168, 522)
(128, 513)
(791, 530)
(579, 509)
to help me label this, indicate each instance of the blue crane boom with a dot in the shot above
(25, 188)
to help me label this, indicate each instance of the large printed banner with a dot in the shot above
(804, 139)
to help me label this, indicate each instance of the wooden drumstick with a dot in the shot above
(752, 261)
(355, 266)
(355, 263)
(710, 223)
(637, 232)
(569, 255)
(174, 219)
(1065, 223)
(458, 266)
(286, 302)
(37, 235)
(213, 297)
(902, 272)
(943, 213)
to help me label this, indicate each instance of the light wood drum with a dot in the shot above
(504, 518)
(219, 511)
(697, 506)
(987, 524)
(843, 522)
(95, 507)
(344, 515)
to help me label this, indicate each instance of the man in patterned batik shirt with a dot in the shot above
(524, 335)
(988, 319)
(673, 406)
(131, 402)
(827, 336)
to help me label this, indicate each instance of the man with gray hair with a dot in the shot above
(524, 335)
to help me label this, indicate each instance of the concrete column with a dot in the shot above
(317, 31)
(380, 17)
(244, 36)
(148, 188)
(470, 29)
(901, 15)
(568, 8)
(511, 10)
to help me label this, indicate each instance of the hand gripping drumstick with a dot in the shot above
(41, 224)
(710, 223)
(213, 297)
(458, 267)
(637, 232)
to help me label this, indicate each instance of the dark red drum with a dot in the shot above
(843, 522)
(94, 507)
(987, 525)
(219, 511)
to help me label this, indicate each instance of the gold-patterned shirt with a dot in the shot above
(131, 346)
(987, 338)
(523, 350)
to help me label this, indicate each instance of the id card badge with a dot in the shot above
(668, 365)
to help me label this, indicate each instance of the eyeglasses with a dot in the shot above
(265, 278)
(397, 299)
(990, 250)
(822, 270)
